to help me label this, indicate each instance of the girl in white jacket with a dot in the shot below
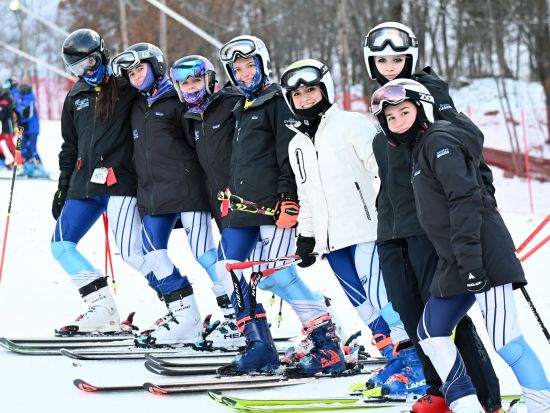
(332, 160)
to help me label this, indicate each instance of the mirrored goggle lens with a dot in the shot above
(193, 68)
(388, 94)
(230, 51)
(304, 75)
(399, 40)
(89, 63)
(124, 61)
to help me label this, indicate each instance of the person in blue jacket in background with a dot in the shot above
(28, 119)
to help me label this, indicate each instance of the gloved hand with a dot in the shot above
(304, 247)
(476, 281)
(59, 201)
(286, 212)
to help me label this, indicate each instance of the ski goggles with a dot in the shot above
(184, 70)
(128, 60)
(307, 75)
(387, 95)
(399, 40)
(89, 63)
(240, 47)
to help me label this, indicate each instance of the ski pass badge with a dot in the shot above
(99, 176)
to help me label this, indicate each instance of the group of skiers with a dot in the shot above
(18, 109)
(155, 147)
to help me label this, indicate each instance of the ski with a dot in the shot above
(190, 370)
(57, 345)
(157, 361)
(135, 354)
(302, 405)
(319, 404)
(220, 397)
(92, 388)
(224, 385)
(69, 339)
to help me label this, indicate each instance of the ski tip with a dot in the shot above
(82, 385)
(228, 401)
(216, 396)
(153, 388)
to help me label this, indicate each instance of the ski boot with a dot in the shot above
(182, 325)
(537, 401)
(431, 403)
(38, 170)
(393, 364)
(260, 353)
(102, 315)
(467, 404)
(295, 353)
(326, 356)
(411, 378)
(226, 337)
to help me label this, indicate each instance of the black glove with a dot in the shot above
(304, 247)
(58, 201)
(476, 281)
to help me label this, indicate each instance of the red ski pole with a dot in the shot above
(19, 134)
(533, 234)
(108, 257)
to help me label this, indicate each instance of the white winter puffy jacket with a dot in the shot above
(336, 180)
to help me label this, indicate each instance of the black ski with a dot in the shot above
(194, 369)
(88, 387)
(224, 384)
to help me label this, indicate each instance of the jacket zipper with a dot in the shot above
(90, 153)
(148, 160)
(389, 196)
(363, 200)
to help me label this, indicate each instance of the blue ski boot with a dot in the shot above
(326, 356)
(409, 380)
(260, 353)
(383, 342)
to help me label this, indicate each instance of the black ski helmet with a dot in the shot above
(82, 43)
(136, 54)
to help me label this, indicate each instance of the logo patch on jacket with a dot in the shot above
(82, 103)
(197, 135)
(135, 133)
(444, 106)
(290, 121)
(442, 152)
(255, 117)
(416, 173)
(159, 113)
(216, 126)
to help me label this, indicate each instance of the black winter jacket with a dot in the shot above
(458, 214)
(395, 203)
(211, 135)
(170, 179)
(89, 143)
(260, 169)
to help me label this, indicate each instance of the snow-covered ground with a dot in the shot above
(36, 296)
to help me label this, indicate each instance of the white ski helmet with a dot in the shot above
(398, 90)
(307, 72)
(244, 46)
(389, 39)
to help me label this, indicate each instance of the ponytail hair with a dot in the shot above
(107, 100)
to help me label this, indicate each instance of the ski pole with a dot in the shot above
(535, 312)
(249, 264)
(108, 257)
(535, 248)
(19, 134)
(533, 234)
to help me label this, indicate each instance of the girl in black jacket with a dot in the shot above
(477, 260)
(211, 126)
(260, 172)
(170, 188)
(97, 176)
